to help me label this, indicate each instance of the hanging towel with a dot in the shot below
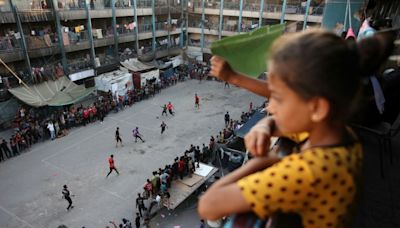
(378, 94)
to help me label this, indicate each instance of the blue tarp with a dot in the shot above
(168, 73)
(257, 116)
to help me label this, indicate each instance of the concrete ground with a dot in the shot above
(31, 184)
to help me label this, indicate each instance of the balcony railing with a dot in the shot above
(38, 42)
(161, 26)
(76, 38)
(8, 44)
(145, 28)
(143, 4)
(79, 65)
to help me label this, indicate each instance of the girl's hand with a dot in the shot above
(258, 139)
(220, 69)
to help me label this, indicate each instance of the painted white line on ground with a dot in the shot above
(75, 144)
(113, 193)
(59, 168)
(16, 217)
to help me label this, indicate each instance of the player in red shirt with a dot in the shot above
(111, 165)
(196, 101)
(170, 108)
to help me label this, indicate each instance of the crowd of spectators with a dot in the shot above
(33, 125)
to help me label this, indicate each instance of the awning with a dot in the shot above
(52, 93)
(257, 116)
(135, 65)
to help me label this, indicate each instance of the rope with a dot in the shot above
(15, 75)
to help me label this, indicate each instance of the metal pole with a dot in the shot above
(114, 27)
(283, 11)
(181, 25)
(90, 34)
(153, 22)
(240, 16)
(221, 18)
(136, 25)
(202, 25)
(306, 14)
(61, 42)
(261, 13)
(23, 41)
(169, 25)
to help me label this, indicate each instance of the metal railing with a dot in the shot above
(79, 65)
(230, 28)
(76, 38)
(8, 44)
(161, 26)
(143, 4)
(145, 28)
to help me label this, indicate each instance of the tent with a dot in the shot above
(118, 81)
(52, 93)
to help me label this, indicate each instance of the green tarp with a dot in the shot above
(247, 53)
(52, 93)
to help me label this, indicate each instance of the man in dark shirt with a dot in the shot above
(118, 137)
(140, 204)
(227, 118)
(137, 220)
(67, 196)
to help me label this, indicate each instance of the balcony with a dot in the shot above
(36, 15)
(39, 46)
(7, 17)
(271, 11)
(11, 55)
(126, 35)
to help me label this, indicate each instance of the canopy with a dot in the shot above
(135, 65)
(247, 53)
(52, 93)
(257, 116)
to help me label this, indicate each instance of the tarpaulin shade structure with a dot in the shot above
(135, 65)
(247, 53)
(52, 93)
(257, 116)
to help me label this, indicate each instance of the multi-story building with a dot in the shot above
(71, 36)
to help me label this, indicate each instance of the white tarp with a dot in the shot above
(203, 170)
(117, 81)
(176, 61)
(149, 75)
(135, 65)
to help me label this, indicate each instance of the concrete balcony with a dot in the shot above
(72, 14)
(198, 49)
(12, 55)
(35, 15)
(270, 12)
(46, 51)
(126, 37)
(104, 41)
(7, 17)
(228, 33)
(145, 35)
(206, 31)
(82, 45)
(168, 52)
